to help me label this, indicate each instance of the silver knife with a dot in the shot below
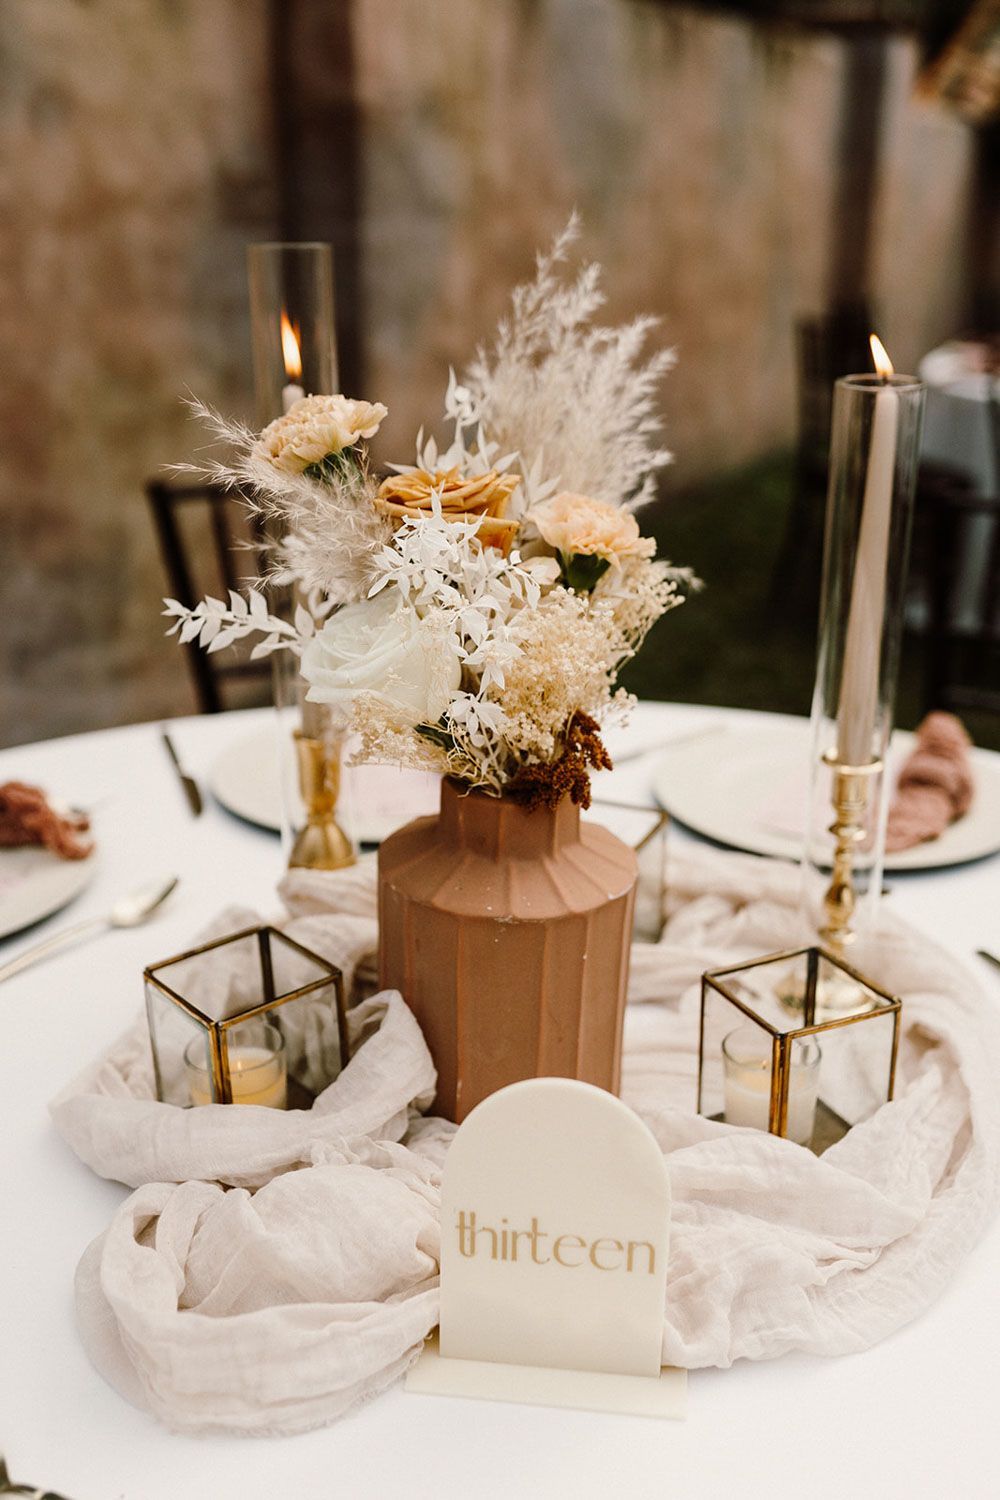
(189, 784)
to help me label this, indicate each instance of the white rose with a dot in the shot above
(378, 647)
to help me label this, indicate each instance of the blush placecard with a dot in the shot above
(555, 1220)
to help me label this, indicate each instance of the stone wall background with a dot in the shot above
(137, 141)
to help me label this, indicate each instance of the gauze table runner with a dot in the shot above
(271, 1270)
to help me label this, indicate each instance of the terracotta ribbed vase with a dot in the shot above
(507, 933)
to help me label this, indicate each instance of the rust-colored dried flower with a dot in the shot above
(546, 783)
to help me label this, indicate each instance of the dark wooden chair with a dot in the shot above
(223, 536)
(962, 633)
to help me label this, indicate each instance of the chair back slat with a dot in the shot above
(962, 647)
(166, 501)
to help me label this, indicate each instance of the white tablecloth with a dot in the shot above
(914, 1417)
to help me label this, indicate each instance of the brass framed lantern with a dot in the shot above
(779, 1052)
(253, 1018)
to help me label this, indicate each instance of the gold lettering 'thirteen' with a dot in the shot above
(570, 1251)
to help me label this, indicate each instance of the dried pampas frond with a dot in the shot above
(331, 528)
(576, 401)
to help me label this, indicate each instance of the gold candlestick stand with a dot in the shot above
(321, 843)
(850, 795)
(837, 991)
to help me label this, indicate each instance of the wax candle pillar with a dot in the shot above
(291, 351)
(255, 1077)
(256, 1068)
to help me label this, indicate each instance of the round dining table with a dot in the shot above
(913, 1418)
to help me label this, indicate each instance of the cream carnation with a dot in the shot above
(577, 526)
(315, 428)
(382, 648)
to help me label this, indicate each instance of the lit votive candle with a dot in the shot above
(257, 1073)
(746, 1055)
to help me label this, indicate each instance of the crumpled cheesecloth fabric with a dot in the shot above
(271, 1270)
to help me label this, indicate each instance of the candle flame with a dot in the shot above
(883, 364)
(291, 348)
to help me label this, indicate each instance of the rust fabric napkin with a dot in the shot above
(935, 784)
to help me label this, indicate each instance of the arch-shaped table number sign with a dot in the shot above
(555, 1216)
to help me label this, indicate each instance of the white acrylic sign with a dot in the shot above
(555, 1217)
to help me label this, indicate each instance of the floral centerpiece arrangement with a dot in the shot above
(470, 612)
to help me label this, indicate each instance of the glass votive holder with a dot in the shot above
(257, 1074)
(252, 1018)
(798, 1070)
(747, 1059)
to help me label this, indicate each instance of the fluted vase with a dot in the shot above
(507, 932)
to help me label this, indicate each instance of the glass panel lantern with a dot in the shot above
(650, 894)
(644, 829)
(253, 1018)
(798, 1043)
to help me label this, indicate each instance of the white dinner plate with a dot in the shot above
(748, 788)
(375, 800)
(34, 883)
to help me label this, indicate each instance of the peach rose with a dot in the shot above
(315, 428)
(404, 496)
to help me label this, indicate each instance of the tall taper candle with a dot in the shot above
(291, 351)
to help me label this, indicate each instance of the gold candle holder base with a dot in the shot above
(835, 994)
(321, 844)
(850, 793)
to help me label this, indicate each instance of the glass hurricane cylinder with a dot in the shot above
(291, 319)
(295, 354)
(873, 462)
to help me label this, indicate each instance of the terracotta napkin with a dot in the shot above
(26, 817)
(935, 785)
